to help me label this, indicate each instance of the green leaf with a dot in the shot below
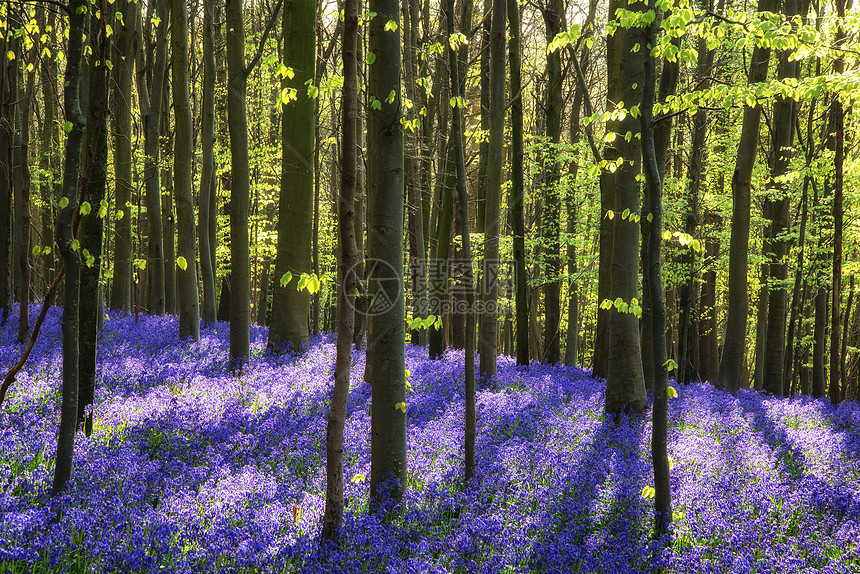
(182, 263)
(75, 245)
(390, 26)
(358, 478)
(370, 58)
(36, 250)
(391, 96)
(625, 214)
(671, 392)
(64, 201)
(86, 208)
(376, 104)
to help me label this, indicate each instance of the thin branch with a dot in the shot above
(250, 67)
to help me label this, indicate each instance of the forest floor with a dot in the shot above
(191, 469)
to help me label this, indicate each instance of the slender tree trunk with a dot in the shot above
(186, 277)
(796, 307)
(71, 257)
(150, 92)
(784, 120)
(659, 448)
(207, 173)
(349, 255)
(551, 220)
(385, 334)
(168, 184)
(8, 98)
(517, 183)
(463, 201)
(731, 363)
(23, 165)
(120, 297)
(92, 226)
(489, 326)
(819, 380)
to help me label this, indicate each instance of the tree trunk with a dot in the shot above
(92, 226)
(23, 169)
(207, 173)
(334, 505)
(551, 201)
(731, 363)
(819, 380)
(625, 382)
(120, 297)
(385, 334)
(168, 184)
(186, 277)
(489, 327)
(517, 183)
(290, 307)
(784, 120)
(71, 257)
(150, 92)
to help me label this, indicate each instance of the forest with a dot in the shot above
(519, 286)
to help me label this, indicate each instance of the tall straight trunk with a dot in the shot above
(290, 307)
(844, 351)
(625, 381)
(385, 334)
(653, 177)
(489, 326)
(708, 339)
(207, 173)
(484, 80)
(360, 301)
(168, 218)
(71, 257)
(468, 282)
(49, 141)
(761, 305)
(120, 297)
(819, 380)
(551, 230)
(8, 98)
(24, 184)
(796, 307)
(838, 126)
(731, 363)
(517, 183)
(92, 226)
(439, 255)
(183, 157)
(690, 363)
(784, 120)
(334, 505)
(149, 91)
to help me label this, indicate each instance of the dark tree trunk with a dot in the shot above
(731, 363)
(551, 220)
(207, 173)
(489, 327)
(653, 178)
(186, 276)
(819, 380)
(625, 382)
(92, 226)
(784, 120)
(385, 334)
(126, 45)
(334, 506)
(517, 184)
(23, 170)
(71, 257)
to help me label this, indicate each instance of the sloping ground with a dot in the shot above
(190, 469)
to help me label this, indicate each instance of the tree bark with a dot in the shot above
(625, 382)
(71, 257)
(731, 363)
(385, 334)
(334, 506)
(489, 326)
(207, 173)
(186, 276)
(290, 307)
(517, 183)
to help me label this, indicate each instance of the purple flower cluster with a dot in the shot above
(193, 469)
